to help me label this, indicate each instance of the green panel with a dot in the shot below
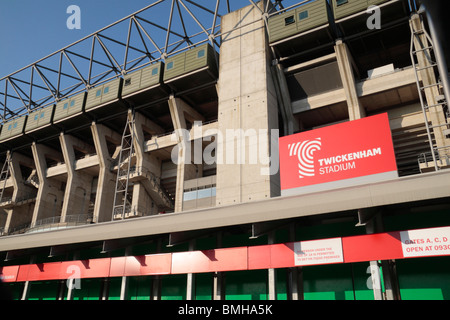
(13, 128)
(311, 15)
(349, 8)
(139, 288)
(142, 79)
(174, 287)
(281, 283)
(115, 286)
(189, 61)
(376, 2)
(424, 278)
(103, 94)
(43, 290)
(246, 285)
(282, 26)
(68, 107)
(204, 286)
(174, 66)
(90, 289)
(328, 282)
(304, 18)
(39, 118)
(14, 290)
(197, 58)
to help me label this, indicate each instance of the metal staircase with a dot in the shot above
(422, 44)
(121, 195)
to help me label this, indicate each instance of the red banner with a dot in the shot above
(381, 246)
(354, 149)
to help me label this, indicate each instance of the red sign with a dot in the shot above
(354, 149)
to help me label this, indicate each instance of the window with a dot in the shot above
(303, 15)
(341, 2)
(127, 82)
(42, 114)
(15, 125)
(154, 71)
(201, 53)
(169, 66)
(99, 93)
(66, 105)
(72, 103)
(289, 20)
(105, 90)
(36, 117)
(10, 127)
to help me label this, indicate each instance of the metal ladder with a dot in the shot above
(5, 173)
(124, 168)
(427, 48)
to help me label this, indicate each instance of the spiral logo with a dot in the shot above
(304, 151)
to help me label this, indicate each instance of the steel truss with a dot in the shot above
(156, 32)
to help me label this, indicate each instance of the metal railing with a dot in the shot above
(51, 223)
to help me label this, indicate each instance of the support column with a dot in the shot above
(22, 212)
(295, 275)
(355, 108)
(272, 279)
(185, 168)
(248, 109)
(156, 280)
(26, 285)
(125, 280)
(49, 195)
(106, 178)
(290, 123)
(190, 285)
(373, 226)
(219, 277)
(78, 187)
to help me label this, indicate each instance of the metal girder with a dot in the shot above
(154, 43)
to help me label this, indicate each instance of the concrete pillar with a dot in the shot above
(355, 108)
(78, 188)
(157, 280)
(295, 280)
(219, 277)
(272, 279)
(21, 191)
(190, 285)
(125, 280)
(290, 123)
(22, 212)
(49, 196)
(27, 284)
(106, 178)
(247, 102)
(185, 168)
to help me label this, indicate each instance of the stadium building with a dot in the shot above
(283, 152)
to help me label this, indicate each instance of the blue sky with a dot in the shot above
(33, 29)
